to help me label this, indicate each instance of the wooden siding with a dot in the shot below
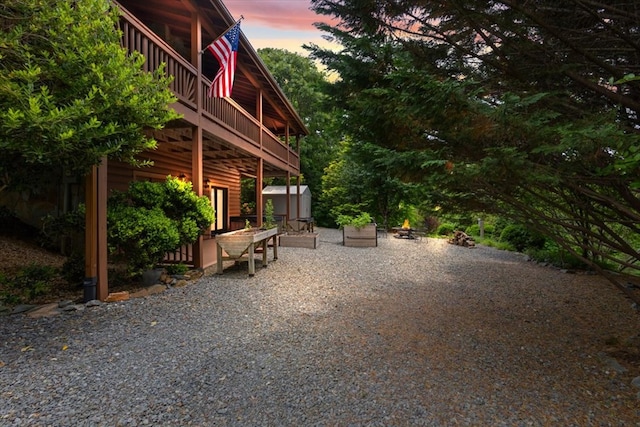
(120, 174)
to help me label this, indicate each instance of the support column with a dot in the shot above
(196, 56)
(298, 195)
(91, 234)
(197, 176)
(103, 279)
(288, 200)
(259, 207)
(95, 283)
(298, 176)
(197, 180)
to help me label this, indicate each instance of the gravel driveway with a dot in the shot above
(403, 334)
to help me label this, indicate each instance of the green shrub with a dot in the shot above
(270, 220)
(141, 236)
(66, 231)
(73, 269)
(556, 256)
(176, 268)
(358, 221)
(474, 230)
(445, 229)
(154, 218)
(28, 283)
(521, 238)
(516, 236)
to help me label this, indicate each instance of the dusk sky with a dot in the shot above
(283, 24)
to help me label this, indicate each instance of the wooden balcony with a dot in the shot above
(248, 134)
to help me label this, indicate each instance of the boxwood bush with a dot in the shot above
(445, 229)
(153, 218)
(521, 238)
(474, 230)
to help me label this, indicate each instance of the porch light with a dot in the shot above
(207, 183)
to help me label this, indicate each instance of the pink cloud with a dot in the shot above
(282, 14)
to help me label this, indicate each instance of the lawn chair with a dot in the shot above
(418, 235)
(381, 230)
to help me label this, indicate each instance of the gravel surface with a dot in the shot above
(403, 334)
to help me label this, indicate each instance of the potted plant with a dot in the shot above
(358, 231)
(269, 218)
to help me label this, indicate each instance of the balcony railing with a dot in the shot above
(137, 37)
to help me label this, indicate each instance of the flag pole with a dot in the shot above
(222, 35)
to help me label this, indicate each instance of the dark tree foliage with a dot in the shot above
(69, 93)
(527, 109)
(306, 87)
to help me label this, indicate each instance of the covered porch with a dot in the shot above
(255, 133)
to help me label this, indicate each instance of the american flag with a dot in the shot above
(225, 49)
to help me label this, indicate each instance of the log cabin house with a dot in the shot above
(254, 133)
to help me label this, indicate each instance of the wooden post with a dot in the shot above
(197, 180)
(102, 251)
(252, 261)
(298, 196)
(197, 175)
(288, 196)
(219, 266)
(96, 285)
(265, 245)
(91, 234)
(259, 207)
(275, 246)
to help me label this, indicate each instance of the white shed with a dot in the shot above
(278, 195)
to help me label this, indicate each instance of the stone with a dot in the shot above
(23, 308)
(151, 290)
(44, 311)
(118, 296)
(151, 277)
(181, 283)
(636, 382)
(139, 294)
(63, 304)
(612, 363)
(4, 310)
(156, 289)
(93, 303)
(195, 274)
